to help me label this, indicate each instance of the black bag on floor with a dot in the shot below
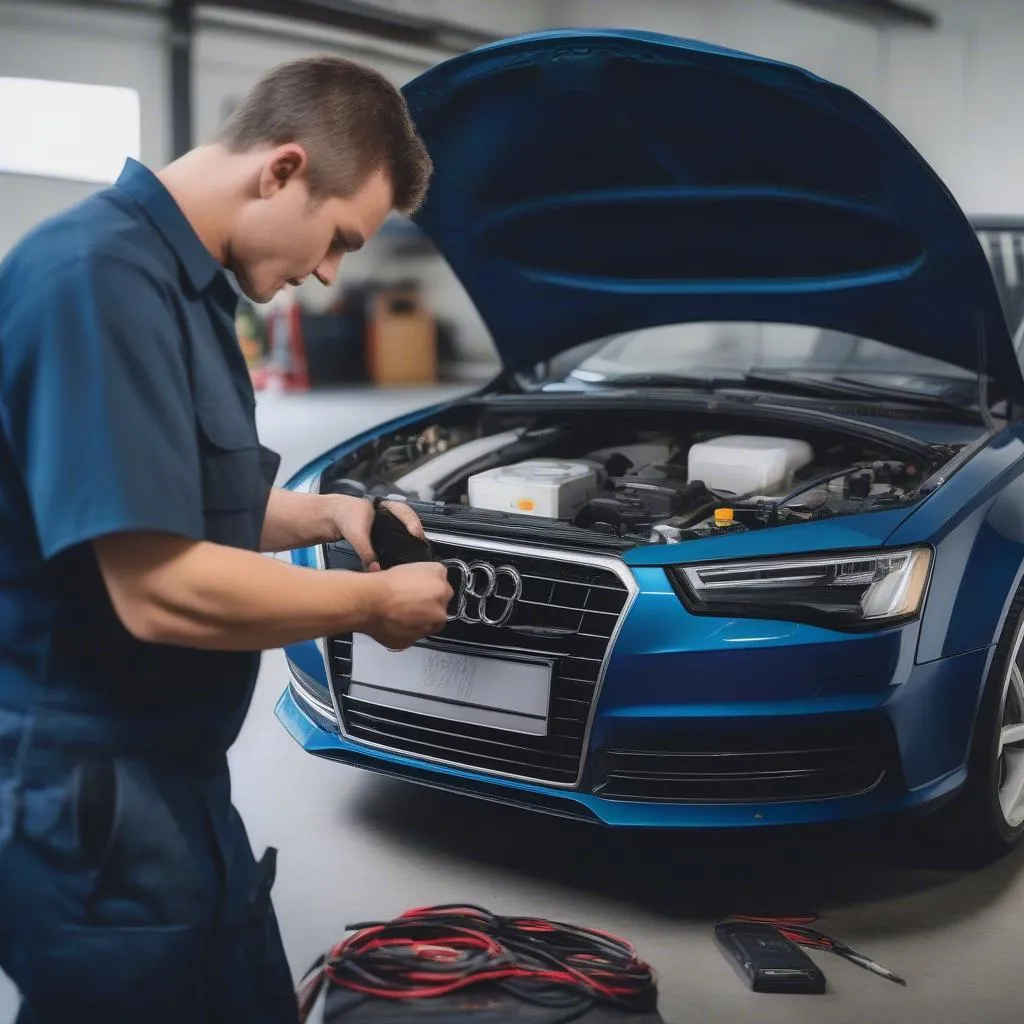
(479, 1007)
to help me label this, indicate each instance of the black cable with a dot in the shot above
(818, 482)
(437, 951)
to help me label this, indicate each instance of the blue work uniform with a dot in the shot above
(128, 888)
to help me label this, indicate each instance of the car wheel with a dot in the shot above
(986, 820)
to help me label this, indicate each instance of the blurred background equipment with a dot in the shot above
(402, 337)
(286, 368)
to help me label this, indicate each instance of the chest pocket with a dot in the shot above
(235, 489)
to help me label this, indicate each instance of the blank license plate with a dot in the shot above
(510, 695)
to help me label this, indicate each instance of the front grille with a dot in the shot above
(568, 612)
(747, 773)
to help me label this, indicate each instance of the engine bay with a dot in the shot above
(627, 478)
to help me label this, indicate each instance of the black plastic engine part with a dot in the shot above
(615, 515)
(639, 502)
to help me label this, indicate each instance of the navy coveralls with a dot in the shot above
(128, 889)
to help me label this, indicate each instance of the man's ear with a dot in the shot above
(284, 164)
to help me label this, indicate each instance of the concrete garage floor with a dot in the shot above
(353, 846)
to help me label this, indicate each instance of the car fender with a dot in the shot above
(975, 524)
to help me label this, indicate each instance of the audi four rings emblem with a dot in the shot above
(483, 594)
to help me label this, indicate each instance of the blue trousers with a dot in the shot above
(129, 892)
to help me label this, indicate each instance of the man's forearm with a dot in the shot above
(170, 590)
(297, 520)
(167, 590)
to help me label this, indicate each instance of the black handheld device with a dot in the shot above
(766, 960)
(394, 544)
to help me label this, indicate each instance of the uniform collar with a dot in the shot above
(149, 192)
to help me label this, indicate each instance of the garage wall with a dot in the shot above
(229, 58)
(97, 48)
(70, 43)
(971, 120)
(501, 17)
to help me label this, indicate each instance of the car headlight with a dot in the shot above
(849, 592)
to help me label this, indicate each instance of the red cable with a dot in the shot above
(615, 974)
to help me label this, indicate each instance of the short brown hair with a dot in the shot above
(349, 118)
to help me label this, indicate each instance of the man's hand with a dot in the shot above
(297, 520)
(353, 519)
(412, 604)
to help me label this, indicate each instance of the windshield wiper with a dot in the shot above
(704, 382)
(781, 382)
(848, 387)
(906, 394)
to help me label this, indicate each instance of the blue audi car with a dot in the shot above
(737, 534)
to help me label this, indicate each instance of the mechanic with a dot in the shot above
(135, 499)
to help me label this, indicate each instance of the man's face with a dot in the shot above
(282, 237)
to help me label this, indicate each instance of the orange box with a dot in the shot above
(401, 339)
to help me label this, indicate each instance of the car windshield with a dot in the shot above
(737, 350)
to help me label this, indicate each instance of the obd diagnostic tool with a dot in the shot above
(394, 544)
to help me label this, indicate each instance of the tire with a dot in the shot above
(986, 819)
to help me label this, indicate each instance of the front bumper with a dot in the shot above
(921, 726)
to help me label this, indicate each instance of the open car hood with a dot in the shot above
(589, 183)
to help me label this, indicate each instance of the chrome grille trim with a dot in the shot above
(606, 562)
(303, 695)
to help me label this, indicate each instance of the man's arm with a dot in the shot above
(171, 590)
(295, 519)
(99, 413)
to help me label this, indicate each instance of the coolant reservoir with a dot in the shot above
(747, 464)
(538, 487)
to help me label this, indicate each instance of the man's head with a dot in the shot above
(331, 150)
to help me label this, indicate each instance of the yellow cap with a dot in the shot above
(723, 516)
(526, 504)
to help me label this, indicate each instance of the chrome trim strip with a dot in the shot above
(609, 562)
(320, 555)
(528, 651)
(306, 697)
(321, 564)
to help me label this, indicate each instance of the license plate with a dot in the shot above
(494, 692)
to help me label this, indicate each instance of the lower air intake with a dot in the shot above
(732, 774)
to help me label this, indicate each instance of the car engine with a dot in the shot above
(648, 487)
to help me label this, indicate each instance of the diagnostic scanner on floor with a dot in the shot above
(767, 961)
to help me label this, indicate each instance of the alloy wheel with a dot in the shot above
(1010, 750)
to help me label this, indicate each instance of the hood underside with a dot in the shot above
(590, 183)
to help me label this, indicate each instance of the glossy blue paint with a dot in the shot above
(308, 658)
(671, 674)
(869, 531)
(933, 714)
(976, 525)
(330, 745)
(592, 182)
